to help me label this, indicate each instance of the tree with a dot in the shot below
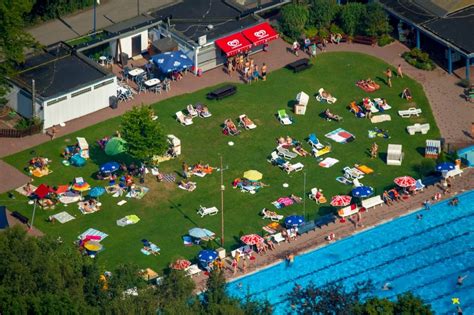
(13, 39)
(328, 299)
(408, 303)
(322, 12)
(374, 306)
(144, 135)
(175, 294)
(47, 9)
(293, 19)
(352, 16)
(376, 22)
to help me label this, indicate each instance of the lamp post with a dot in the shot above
(304, 195)
(138, 7)
(222, 203)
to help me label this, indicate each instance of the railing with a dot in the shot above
(14, 133)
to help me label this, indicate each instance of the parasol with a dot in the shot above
(341, 200)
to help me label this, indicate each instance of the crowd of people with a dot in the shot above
(247, 68)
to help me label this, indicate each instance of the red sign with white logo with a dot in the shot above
(233, 44)
(260, 34)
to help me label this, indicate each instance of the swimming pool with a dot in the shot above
(423, 256)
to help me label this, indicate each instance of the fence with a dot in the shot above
(14, 133)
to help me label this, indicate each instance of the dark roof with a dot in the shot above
(131, 24)
(456, 28)
(191, 18)
(409, 10)
(58, 71)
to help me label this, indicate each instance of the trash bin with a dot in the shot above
(221, 252)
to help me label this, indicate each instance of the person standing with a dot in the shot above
(185, 170)
(264, 72)
(295, 48)
(234, 266)
(399, 71)
(53, 133)
(244, 265)
(388, 73)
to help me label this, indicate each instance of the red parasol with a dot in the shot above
(405, 181)
(61, 189)
(341, 200)
(181, 264)
(252, 239)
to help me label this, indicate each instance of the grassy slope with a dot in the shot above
(167, 212)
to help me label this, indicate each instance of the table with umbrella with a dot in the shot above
(294, 221)
(444, 168)
(207, 256)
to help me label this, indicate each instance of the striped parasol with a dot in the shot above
(180, 264)
(341, 201)
(405, 181)
(252, 239)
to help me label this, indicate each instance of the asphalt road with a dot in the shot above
(81, 23)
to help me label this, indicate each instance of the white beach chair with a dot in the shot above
(412, 111)
(203, 211)
(183, 119)
(352, 173)
(394, 154)
(278, 238)
(285, 153)
(290, 168)
(423, 128)
(372, 202)
(246, 126)
(271, 215)
(328, 99)
(192, 270)
(192, 111)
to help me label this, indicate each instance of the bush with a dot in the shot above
(322, 12)
(376, 20)
(385, 39)
(25, 123)
(310, 32)
(323, 33)
(352, 16)
(425, 168)
(419, 59)
(335, 29)
(293, 19)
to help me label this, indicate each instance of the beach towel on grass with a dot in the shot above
(22, 191)
(63, 217)
(340, 135)
(328, 162)
(283, 202)
(94, 233)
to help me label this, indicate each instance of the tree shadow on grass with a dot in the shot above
(421, 151)
(177, 206)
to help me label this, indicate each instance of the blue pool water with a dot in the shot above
(423, 256)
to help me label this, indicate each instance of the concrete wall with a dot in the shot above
(20, 101)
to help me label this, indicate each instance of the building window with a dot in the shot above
(98, 86)
(81, 92)
(56, 100)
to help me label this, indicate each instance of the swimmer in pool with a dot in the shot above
(387, 286)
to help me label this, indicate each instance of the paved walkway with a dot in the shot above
(81, 23)
(371, 218)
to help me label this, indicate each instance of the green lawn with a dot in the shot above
(167, 212)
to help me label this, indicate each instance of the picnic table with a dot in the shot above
(152, 82)
(135, 72)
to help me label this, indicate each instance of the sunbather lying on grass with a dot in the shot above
(330, 116)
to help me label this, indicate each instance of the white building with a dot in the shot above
(66, 85)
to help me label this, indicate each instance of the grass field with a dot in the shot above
(167, 212)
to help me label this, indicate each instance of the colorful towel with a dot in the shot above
(340, 135)
(328, 162)
(169, 178)
(93, 233)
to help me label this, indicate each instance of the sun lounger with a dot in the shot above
(284, 118)
(326, 97)
(419, 186)
(289, 168)
(457, 171)
(267, 214)
(356, 183)
(423, 128)
(368, 105)
(246, 123)
(202, 110)
(192, 111)
(192, 270)
(343, 180)
(380, 118)
(287, 154)
(203, 211)
(183, 120)
(372, 202)
(278, 238)
(230, 128)
(348, 211)
(381, 105)
(317, 195)
(409, 112)
(352, 173)
(356, 110)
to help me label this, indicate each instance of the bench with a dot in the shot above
(372, 202)
(20, 217)
(308, 226)
(366, 40)
(222, 92)
(431, 180)
(325, 220)
(299, 65)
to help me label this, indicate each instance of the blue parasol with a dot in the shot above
(362, 191)
(200, 233)
(109, 167)
(445, 167)
(172, 61)
(294, 220)
(207, 256)
(97, 191)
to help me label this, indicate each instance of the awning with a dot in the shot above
(260, 34)
(233, 44)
